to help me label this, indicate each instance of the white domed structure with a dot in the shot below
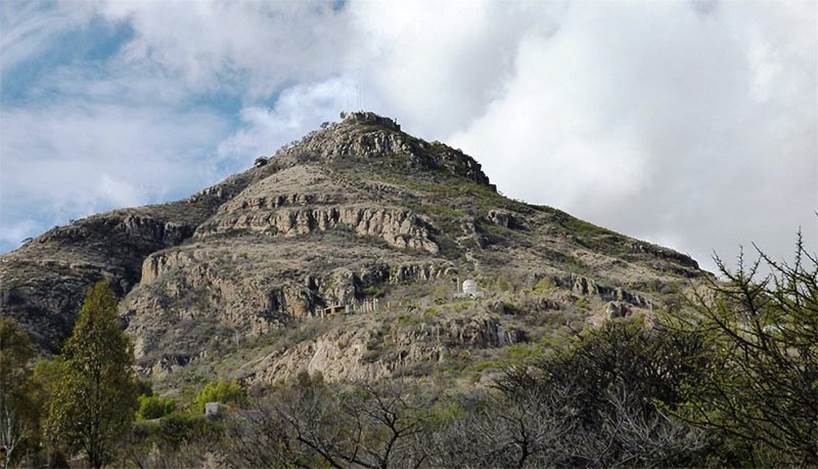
(470, 287)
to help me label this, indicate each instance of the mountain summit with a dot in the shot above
(359, 251)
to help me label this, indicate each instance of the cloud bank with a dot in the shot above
(691, 124)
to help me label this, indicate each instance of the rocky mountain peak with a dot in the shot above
(369, 118)
(359, 231)
(365, 137)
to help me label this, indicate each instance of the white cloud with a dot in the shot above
(250, 48)
(664, 123)
(298, 110)
(28, 28)
(689, 123)
(13, 234)
(68, 160)
(437, 65)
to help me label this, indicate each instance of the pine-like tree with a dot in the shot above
(94, 402)
(760, 389)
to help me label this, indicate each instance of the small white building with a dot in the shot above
(212, 409)
(469, 289)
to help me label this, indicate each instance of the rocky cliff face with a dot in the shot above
(342, 253)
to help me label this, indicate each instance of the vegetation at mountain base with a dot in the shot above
(224, 392)
(154, 407)
(732, 382)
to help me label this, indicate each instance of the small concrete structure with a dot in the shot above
(334, 309)
(469, 290)
(212, 409)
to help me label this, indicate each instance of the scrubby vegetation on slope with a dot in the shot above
(731, 380)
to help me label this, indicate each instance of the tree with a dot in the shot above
(46, 375)
(315, 424)
(218, 391)
(154, 407)
(529, 430)
(18, 407)
(93, 404)
(761, 386)
(599, 402)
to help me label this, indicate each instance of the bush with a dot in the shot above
(760, 389)
(595, 403)
(219, 391)
(177, 429)
(154, 407)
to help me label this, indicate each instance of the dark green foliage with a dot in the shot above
(176, 440)
(601, 395)
(621, 353)
(19, 406)
(176, 429)
(759, 392)
(94, 399)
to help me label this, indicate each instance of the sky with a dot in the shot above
(691, 124)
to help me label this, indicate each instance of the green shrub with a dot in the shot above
(523, 352)
(219, 391)
(177, 429)
(545, 286)
(759, 390)
(154, 407)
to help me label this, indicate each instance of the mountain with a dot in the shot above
(347, 252)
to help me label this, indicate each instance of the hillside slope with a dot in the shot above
(343, 253)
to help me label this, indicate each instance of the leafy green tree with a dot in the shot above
(760, 390)
(154, 407)
(19, 412)
(95, 398)
(219, 391)
(46, 375)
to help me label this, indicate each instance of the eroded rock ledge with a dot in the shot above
(585, 286)
(400, 228)
(359, 354)
(133, 226)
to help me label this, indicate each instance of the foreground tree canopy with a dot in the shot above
(759, 385)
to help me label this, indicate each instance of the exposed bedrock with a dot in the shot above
(400, 228)
(366, 353)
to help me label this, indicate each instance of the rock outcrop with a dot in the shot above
(359, 353)
(400, 228)
(582, 285)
